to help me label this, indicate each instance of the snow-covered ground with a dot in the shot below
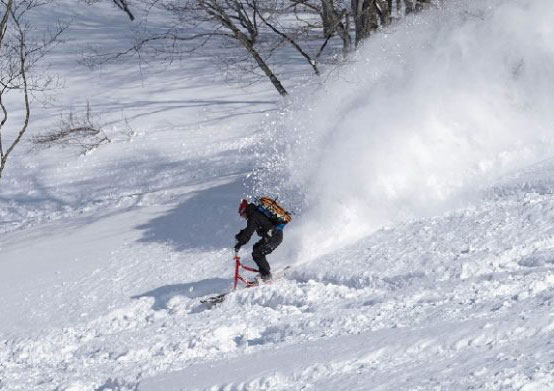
(422, 250)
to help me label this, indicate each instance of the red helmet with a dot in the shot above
(242, 207)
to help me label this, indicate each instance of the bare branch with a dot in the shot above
(292, 42)
(82, 131)
(4, 21)
(306, 4)
(23, 74)
(104, 58)
(18, 56)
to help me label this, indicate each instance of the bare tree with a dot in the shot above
(80, 130)
(239, 19)
(334, 20)
(252, 25)
(19, 54)
(255, 26)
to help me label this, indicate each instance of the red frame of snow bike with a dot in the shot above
(238, 277)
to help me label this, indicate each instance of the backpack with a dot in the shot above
(275, 212)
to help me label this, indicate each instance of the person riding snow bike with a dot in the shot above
(271, 236)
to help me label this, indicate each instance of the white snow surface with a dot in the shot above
(422, 251)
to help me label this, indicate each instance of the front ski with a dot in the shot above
(215, 299)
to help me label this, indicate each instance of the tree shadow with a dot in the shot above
(164, 294)
(206, 220)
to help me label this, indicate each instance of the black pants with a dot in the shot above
(265, 246)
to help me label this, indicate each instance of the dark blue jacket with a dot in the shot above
(255, 221)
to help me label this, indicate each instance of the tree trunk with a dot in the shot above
(243, 39)
(333, 24)
(344, 32)
(410, 6)
(422, 4)
(364, 13)
(327, 17)
(384, 11)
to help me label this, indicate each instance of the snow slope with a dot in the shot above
(436, 272)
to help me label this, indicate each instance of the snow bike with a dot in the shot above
(238, 277)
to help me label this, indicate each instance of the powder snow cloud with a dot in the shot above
(432, 110)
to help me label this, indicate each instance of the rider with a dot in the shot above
(271, 236)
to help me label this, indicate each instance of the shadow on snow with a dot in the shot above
(206, 220)
(164, 294)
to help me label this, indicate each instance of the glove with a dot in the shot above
(237, 247)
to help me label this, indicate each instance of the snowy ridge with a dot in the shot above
(450, 286)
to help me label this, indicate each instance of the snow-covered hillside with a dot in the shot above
(422, 252)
